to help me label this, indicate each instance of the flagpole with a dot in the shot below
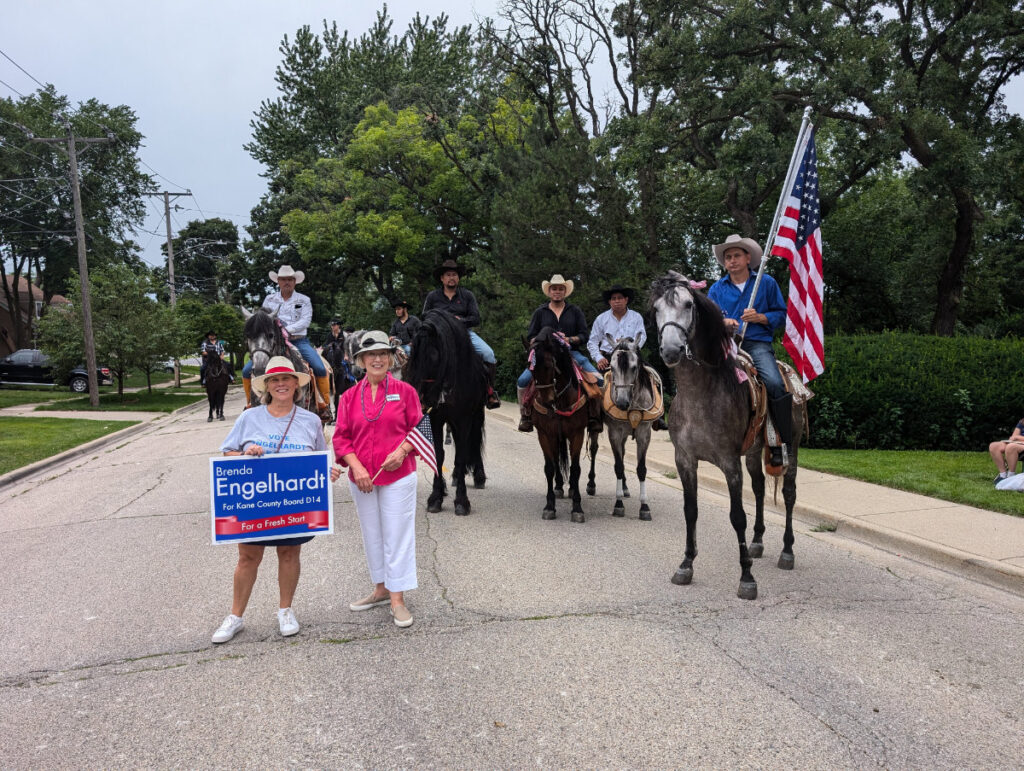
(780, 207)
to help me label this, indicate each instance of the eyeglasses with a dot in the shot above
(377, 354)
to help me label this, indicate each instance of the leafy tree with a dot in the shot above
(203, 250)
(197, 318)
(131, 330)
(36, 223)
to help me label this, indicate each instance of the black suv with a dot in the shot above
(30, 366)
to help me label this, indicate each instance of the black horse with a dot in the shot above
(265, 340)
(709, 418)
(218, 375)
(451, 380)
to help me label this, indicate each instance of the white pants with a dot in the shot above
(387, 517)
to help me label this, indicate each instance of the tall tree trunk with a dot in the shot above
(951, 280)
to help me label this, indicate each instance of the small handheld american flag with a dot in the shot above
(422, 438)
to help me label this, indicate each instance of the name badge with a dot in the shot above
(393, 398)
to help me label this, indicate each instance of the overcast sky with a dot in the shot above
(194, 71)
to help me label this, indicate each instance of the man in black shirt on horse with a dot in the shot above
(404, 327)
(461, 303)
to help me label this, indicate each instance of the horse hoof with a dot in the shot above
(547, 514)
(786, 561)
(479, 484)
(209, 419)
(619, 510)
(756, 550)
(460, 510)
(682, 576)
(220, 417)
(433, 508)
(645, 513)
(559, 492)
(577, 516)
(747, 590)
(591, 489)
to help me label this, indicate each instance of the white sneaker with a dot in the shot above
(287, 622)
(232, 625)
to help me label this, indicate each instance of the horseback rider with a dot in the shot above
(739, 257)
(294, 313)
(404, 326)
(618, 321)
(569, 321)
(461, 303)
(211, 346)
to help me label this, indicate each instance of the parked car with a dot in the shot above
(30, 366)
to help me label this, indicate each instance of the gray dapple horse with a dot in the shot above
(709, 417)
(634, 393)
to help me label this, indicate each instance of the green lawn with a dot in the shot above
(961, 477)
(142, 401)
(10, 397)
(27, 440)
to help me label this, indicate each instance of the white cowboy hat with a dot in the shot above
(285, 271)
(373, 341)
(749, 245)
(557, 280)
(278, 365)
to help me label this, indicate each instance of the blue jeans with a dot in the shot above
(767, 369)
(485, 351)
(585, 364)
(308, 353)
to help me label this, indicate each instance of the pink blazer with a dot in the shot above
(373, 440)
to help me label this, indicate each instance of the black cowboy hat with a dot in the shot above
(335, 321)
(401, 304)
(447, 265)
(211, 332)
(628, 292)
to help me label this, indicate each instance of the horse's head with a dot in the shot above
(690, 326)
(263, 337)
(551, 363)
(625, 365)
(425, 368)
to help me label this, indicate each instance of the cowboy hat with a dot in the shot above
(447, 265)
(400, 304)
(373, 341)
(278, 365)
(749, 245)
(628, 292)
(211, 332)
(557, 280)
(285, 271)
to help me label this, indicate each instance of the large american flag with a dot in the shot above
(799, 242)
(422, 438)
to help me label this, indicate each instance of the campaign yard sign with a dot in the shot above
(270, 497)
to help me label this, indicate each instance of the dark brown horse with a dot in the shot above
(218, 375)
(709, 417)
(560, 416)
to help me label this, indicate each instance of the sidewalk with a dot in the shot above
(984, 545)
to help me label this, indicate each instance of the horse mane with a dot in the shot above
(261, 324)
(547, 341)
(711, 340)
(441, 351)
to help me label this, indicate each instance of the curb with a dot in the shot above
(1000, 575)
(84, 449)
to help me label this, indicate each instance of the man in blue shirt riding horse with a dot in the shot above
(739, 257)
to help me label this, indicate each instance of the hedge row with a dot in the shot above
(905, 391)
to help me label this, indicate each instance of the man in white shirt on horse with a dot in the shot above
(294, 313)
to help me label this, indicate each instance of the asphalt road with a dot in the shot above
(536, 643)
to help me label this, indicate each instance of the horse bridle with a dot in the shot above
(686, 332)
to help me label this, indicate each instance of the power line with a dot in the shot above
(2, 83)
(8, 58)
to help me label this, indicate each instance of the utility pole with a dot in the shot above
(170, 262)
(83, 268)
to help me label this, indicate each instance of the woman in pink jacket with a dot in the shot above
(374, 418)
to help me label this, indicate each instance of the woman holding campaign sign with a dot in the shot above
(278, 426)
(375, 437)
